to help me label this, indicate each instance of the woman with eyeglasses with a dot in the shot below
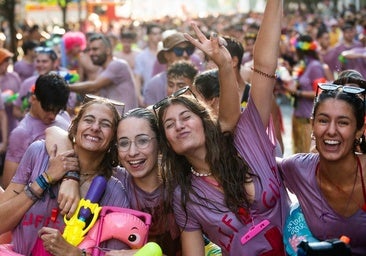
(138, 154)
(221, 174)
(331, 184)
(138, 151)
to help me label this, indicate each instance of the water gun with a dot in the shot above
(8, 96)
(150, 249)
(333, 247)
(211, 249)
(80, 223)
(70, 76)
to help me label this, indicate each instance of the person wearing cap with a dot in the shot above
(175, 47)
(26, 67)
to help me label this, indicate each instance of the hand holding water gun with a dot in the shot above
(80, 223)
(8, 96)
(70, 76)
(333, 247)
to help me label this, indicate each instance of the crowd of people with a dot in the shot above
(184, 124)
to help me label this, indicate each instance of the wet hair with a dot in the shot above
(99, 36)
(146, 114)
(207, 84)
(182, 68)
(357, 104)
(52, 92)
(128, 35)
(235, 49)
(110, 159)
(350, 76)
(28, 46)
(151, 26)
(221, 157)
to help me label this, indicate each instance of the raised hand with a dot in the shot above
(213, 47)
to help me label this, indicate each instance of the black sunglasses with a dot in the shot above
(179, 51)
(176, 94)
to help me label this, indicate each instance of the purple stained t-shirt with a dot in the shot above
(34, 163)
(299, 175)
(10, 81)
(314, 70)
(24, 69)
(123, 86)
(156, 89)
(29, 130)
(271, 200)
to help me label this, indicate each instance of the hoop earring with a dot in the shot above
(312, 136)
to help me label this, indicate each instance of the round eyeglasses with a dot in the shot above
(140, 141)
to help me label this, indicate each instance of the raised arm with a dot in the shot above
(266, 51)
(229, 110)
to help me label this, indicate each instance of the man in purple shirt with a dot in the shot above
(50, 96)
(115, 81)
(333, 57)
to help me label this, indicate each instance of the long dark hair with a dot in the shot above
(110, 159)
(228, 168)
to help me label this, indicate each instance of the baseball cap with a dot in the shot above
(4, 54)
(169, 43)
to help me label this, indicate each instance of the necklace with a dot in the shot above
(350, 197)
(198, 174)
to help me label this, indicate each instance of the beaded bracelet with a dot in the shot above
(41, 181)
(73, 175)
(263, 73)
(30, 193)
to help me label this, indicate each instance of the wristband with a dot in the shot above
(72, 175)
(30, 193)
(41, 181)
(48, 177)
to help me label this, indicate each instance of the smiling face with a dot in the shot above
(184, 130)
(335, 129)
(95, 129)
(139, 162)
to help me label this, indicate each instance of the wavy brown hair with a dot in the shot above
(110, 159)
(228, 168)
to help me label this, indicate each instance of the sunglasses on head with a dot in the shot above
(179, 51)
(48, 51)
(176, 94)
(334, 87)
(327, 87)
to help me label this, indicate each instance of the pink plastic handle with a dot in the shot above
(253, 231)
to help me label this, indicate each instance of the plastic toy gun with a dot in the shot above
(334, 247)
(70, 76)
(150, 249)
(8, 96)
(80, 223)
